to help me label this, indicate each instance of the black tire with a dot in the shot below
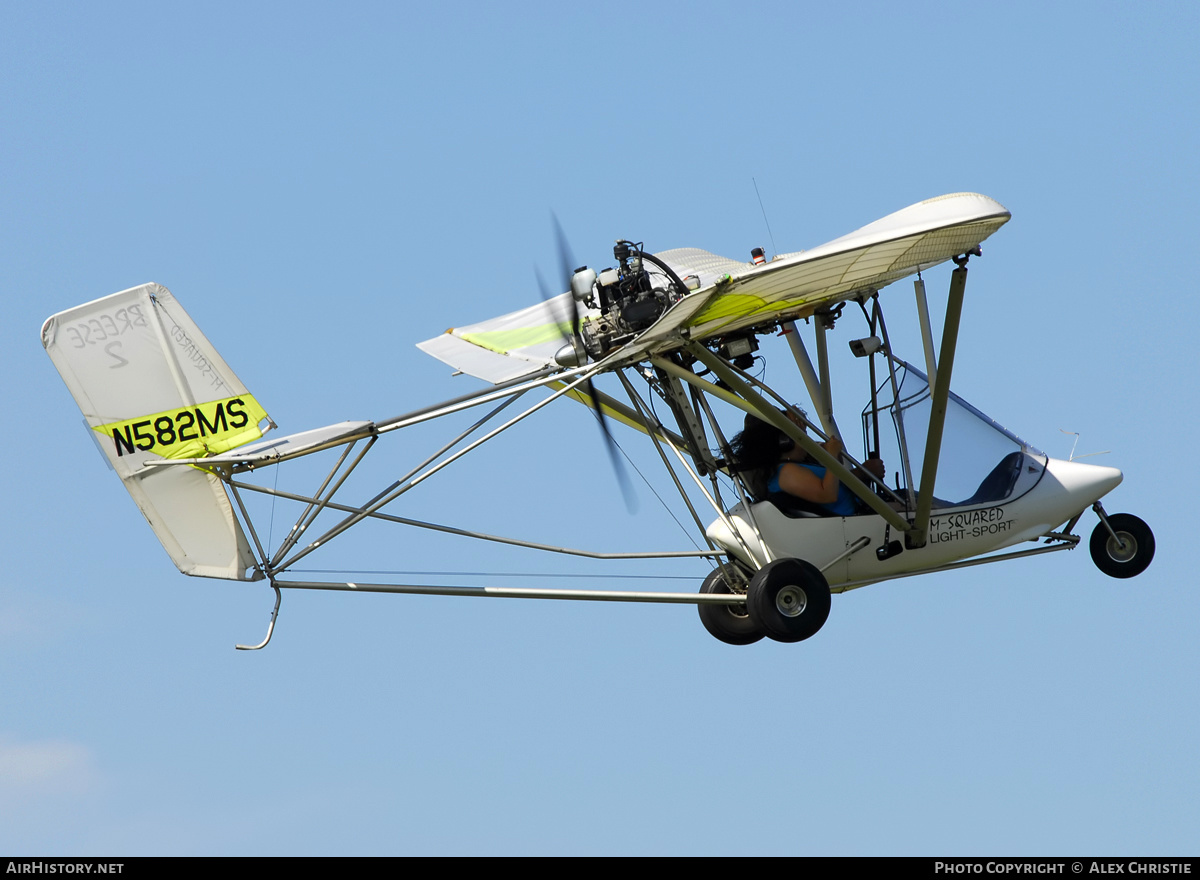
(729, 623)
(789, 600)
(1129, 557)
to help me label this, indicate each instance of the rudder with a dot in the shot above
(152, 387)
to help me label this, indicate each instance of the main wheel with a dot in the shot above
(1131, 554)
(789, 600)
(729, 623)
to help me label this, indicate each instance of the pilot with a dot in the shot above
(778, 470)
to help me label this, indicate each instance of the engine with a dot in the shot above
(629, 297)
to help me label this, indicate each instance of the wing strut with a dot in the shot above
(926, 332)
(823, 322)
(816, 392)
(919, 533)
(818, 387)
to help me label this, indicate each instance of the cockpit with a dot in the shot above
(981, 461)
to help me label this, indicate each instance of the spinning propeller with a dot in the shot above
(574, 353)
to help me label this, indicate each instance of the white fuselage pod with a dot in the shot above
(1062, 490)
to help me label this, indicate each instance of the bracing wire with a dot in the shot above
(649, 485)
(654, 492)
(274, 499)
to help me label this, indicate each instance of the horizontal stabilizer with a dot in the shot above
(279, 449)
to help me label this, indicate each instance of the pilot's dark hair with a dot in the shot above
(757, 450)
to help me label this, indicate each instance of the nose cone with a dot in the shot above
(570, 355)
(1086, 482)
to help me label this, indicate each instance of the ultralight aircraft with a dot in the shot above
(679, 330)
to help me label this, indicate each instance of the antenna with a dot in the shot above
(774, 250)
(1072, 456)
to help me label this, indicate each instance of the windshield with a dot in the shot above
(981, 461)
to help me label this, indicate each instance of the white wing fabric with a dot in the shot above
(735, 295)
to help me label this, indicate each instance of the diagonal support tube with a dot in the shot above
(414, 481)
(313, 510)
(748, 400)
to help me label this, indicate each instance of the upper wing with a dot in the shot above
(735, 295)
(509, 346)
(794, 285)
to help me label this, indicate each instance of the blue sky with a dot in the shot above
(323, 188)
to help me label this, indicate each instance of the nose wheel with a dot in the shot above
(1122, 545)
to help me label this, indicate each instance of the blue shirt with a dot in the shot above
(845, 504)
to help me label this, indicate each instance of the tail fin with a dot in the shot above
(152, 387)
